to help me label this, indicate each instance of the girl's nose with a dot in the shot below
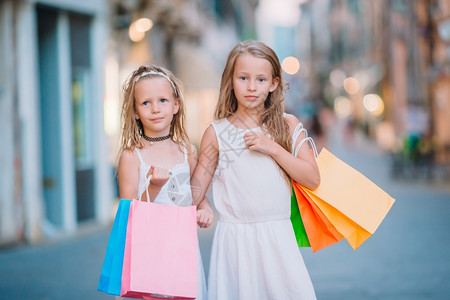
(251, 85)
(155, 108)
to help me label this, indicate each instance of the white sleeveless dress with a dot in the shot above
(254, 252)
(176, 192)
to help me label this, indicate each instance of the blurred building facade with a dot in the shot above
(55, 176)
(414, 47)
(66, 61)
(382, 66)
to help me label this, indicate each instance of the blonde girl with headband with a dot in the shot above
(155, 148)
(247, 151)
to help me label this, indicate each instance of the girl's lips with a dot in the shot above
(251, 97)
(156, 119)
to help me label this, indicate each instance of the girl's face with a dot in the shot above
(155, 105)
(252, 81)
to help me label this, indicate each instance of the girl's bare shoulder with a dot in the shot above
(210, 135)
(128, 156)
(292, 121)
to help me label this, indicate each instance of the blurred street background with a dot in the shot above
(369, 79)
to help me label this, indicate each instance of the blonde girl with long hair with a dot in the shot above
(247, 151)
(156, 157)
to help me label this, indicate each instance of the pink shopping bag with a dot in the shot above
(160, 257)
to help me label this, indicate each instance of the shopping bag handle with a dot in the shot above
(147, 183)
(299, 129)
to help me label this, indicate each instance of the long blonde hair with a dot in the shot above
(272, 116)
(132, 129)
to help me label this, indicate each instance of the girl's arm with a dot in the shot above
(302, 168)
(128, 175)
(205, 212)
(206, 166)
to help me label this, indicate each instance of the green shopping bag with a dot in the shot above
(297, 223)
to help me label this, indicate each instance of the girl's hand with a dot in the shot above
(205, 217)
(159, 176)
(257, 141)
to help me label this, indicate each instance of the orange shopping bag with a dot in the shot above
(350, 201)
(353, 233)
(321, 233)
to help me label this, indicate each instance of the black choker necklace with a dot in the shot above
(156, 139)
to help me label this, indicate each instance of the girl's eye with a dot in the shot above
(163, 100)
(242, 78)
(145, 103)
(261, 79)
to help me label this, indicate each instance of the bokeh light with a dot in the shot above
(351, 85)
(138, 29)
(143, 24)
(373, 104)
(290, 65)
(343, 107)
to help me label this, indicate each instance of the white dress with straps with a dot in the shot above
(254, 253)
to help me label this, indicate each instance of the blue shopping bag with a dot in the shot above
(111, 276)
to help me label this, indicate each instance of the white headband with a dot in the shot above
(145, 74)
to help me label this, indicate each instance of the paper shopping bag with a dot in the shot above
(353, 233)
(321, 233)
(160, 257)
(346, 195)
(111, 275)
(297, 223)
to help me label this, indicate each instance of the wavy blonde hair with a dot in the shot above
(272, 116)
(132, 129)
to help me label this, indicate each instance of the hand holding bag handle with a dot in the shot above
(147, 184)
